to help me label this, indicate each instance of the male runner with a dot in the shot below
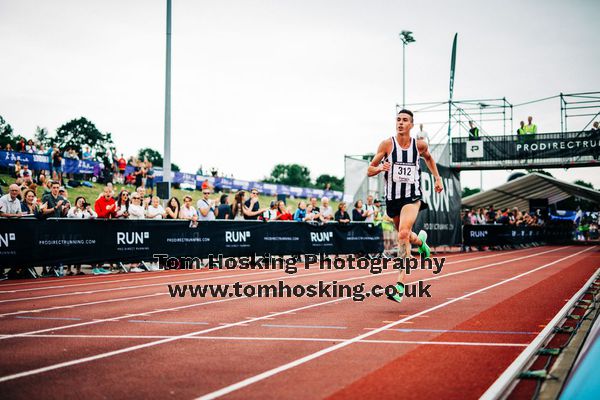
(398, 158)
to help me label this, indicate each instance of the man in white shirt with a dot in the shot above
(155, 210)
(422, 134)
(370, 209)
(326, 210)
(206, 207)
(10, 205)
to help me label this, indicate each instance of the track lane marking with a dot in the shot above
(274, 371)
(239, 323)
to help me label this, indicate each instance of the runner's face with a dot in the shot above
(404, 123)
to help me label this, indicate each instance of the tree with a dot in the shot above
(6, 133)
(42, 136)
(540, 171)
(155, 158)
(336, 183)
(584, 183)
(290, 174)
(82, 132)
(468, 191)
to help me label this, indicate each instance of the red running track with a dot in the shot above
(123, 336)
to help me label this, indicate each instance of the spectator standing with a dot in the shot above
(155, 210)
(300, 214)
(282, 213)
(473, 131)
(10, 205)
(53, 203)
(490, 216)
(326, 210)
(29, 205)
(521, 131)
(206, 207)
(224, 209)
(82, 209)
(271, 213)
(369, 210)
(187, 210)
(341, 215)
(56, 165)
(123, 204)
(358, 215)
(530, 128)
(253, 206)
(106, 206)
(150, 178)
(122, 164)
(136, 209)
(173, 208)
(30, 148)
(422, 135)
(238, 210)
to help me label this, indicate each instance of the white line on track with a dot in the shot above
(245, 321)
(113, 319)
(176, 282)
(282, 339)
(160, 274)
(267, 374)
(136, 297)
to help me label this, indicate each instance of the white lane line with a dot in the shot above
(282, 339)
(239, 323)
(135, 297)
(96, 321)
(83, 304)
(53, 318)
(304, 326)
(159, 274)
(267, 374)
(113, 319)
(184, 281)
(167, 322)
(135, 287)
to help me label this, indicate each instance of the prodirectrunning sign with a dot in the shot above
(442, 219)
(500, 235)
(30, 242)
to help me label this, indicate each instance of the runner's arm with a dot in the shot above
(376, 166)
(424, 152)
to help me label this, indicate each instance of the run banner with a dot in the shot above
(30, 242)
(441, 220)
(500, 235)
(540, 146)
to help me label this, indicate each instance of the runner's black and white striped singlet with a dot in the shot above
(405, 169)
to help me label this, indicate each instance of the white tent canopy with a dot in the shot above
(518, 192)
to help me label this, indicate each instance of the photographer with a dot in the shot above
(82, 209)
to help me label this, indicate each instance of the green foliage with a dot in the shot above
(42, 136)
(290, 174)
(583, 183)
(6, 133)
(336, 183)
(540, 171)
(468, 191)
(80, 132)
(155, 157)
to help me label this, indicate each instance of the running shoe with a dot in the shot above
(399, 295)
(424, 248)
(136, 269)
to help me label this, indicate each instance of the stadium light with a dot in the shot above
(406, 38)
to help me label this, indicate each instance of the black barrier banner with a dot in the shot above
(500, 235)
(441, 220)
(568, 145)
(30, 242)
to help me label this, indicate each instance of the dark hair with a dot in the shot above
(405, 111)
(223, 198)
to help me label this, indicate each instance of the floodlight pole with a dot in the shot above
(167, 143)
(405, 37)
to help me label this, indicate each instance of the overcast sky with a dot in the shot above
(256, 83)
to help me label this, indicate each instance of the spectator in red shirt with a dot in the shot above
(282, 213)
(122, 164)
(106, 206)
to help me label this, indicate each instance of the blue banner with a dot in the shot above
(37, 162)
